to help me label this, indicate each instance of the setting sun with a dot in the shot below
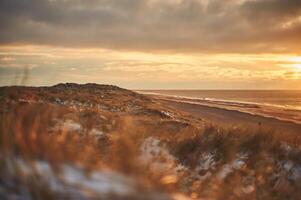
(297, 67)
(295, 63)
(295, 59)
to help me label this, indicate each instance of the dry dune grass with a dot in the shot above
(96, 154)
(26, 140)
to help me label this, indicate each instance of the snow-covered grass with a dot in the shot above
(236, 164)
(158, 159)
(69, 180)
(131, 161)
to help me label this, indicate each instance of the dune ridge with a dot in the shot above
(95, 141)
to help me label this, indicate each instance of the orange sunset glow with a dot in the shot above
(150, 99)
(149, 44)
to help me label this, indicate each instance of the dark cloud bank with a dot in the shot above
(252, 26)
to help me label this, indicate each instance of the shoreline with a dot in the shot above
(228, 117)
(278, 112)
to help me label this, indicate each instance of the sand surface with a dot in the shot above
(231, 118)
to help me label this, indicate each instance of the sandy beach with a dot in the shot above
(233, 116)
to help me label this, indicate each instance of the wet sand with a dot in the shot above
(232, 118)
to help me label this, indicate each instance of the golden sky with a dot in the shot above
(152, 44)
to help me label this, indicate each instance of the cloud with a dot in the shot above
(153, 25)
(48, 66)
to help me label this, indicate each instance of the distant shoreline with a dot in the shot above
(283, 113)
(230, 116)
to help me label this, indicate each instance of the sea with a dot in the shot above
(280, 103)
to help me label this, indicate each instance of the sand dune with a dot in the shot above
(103, 142)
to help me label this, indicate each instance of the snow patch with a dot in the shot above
(103, 183)
(71, 126)
(236, 164)
(207, 161)
(77, 181)
(168, 114)
(68, 125)
(158, 158)
(96, 132)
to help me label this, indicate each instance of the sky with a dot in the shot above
(152, 44)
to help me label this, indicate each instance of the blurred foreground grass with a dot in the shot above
(54, 152)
